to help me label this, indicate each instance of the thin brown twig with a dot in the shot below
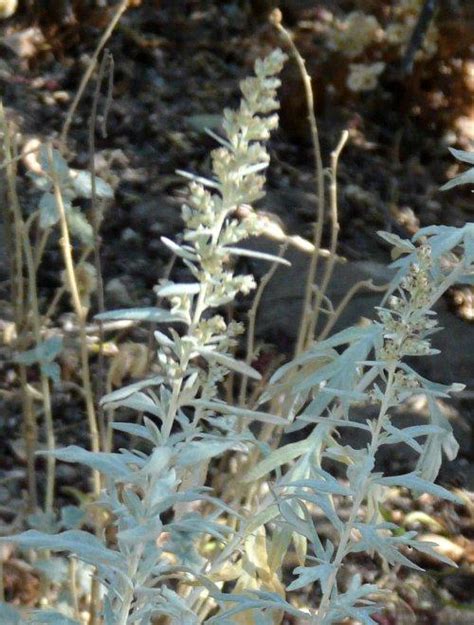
(14, 220)
(22, 231)
(9, 161)
(359, 286)
(121, 8)
(109, 98)
(252, 316)
(45, 389)
(60, 291)
(96, 222)
(335, 227)
(81, 313)
(319, 177)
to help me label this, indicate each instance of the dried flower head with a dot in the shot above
(355, 33)
(399, 32)
(364, 76)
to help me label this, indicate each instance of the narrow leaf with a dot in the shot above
(227, 361)
(154, 315)
(239, 251)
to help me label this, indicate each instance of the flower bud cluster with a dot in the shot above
(215, 223)
(409, 321)
(355, 33)
(359, 36)
(237, 165)
(364, 76)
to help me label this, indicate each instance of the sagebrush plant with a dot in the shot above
(175, 542)
(140, 487)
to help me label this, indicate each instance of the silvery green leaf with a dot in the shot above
(154, 431)
(260, 518)
(202, 122)
(47, 617)
(242, 413)
(49, 349)
(282, 536)
(366, 334)
(304, 419)
(44, 352)
(143, 533)
(79, 225)
(329, 486)
(446, 238)
(140, 402)
(152, 314)
(362, 615)
(409, 434)
(399, 245)
(359, 471)
(48, 210)
(465, 178)
(217, 137)
(468, 241)
(162, 339)
(195, 452)
(42, 183)
(357, 592)
(417, 484)
(206, 182)
(246, 170)
(342, 372)
(52, 371)
(179, 250)
(56, 570)
(82, 183)
(72, 517)
(466, 279)
(254, 600)
(170, 290)
(59, 165)
(43, 521)
(170, 603)
(128, 390)
(353, 396)
(461, 155)
(310, 355)
(450, 445)
(430, 458)
(430, 549)
(299, 518)
(109, 616)
(277, 458)
(135, 429)
(375, 538)
(445, 438)
(238, 251)
(323, 502)
(157, 461)
(433, 389)
(113, 465)
(308, 575)
(227, 361)
(194, 524)
(133, 503)
(396, 241)
(85, 546)
(10, 616)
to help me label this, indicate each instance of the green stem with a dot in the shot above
(341, 551)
